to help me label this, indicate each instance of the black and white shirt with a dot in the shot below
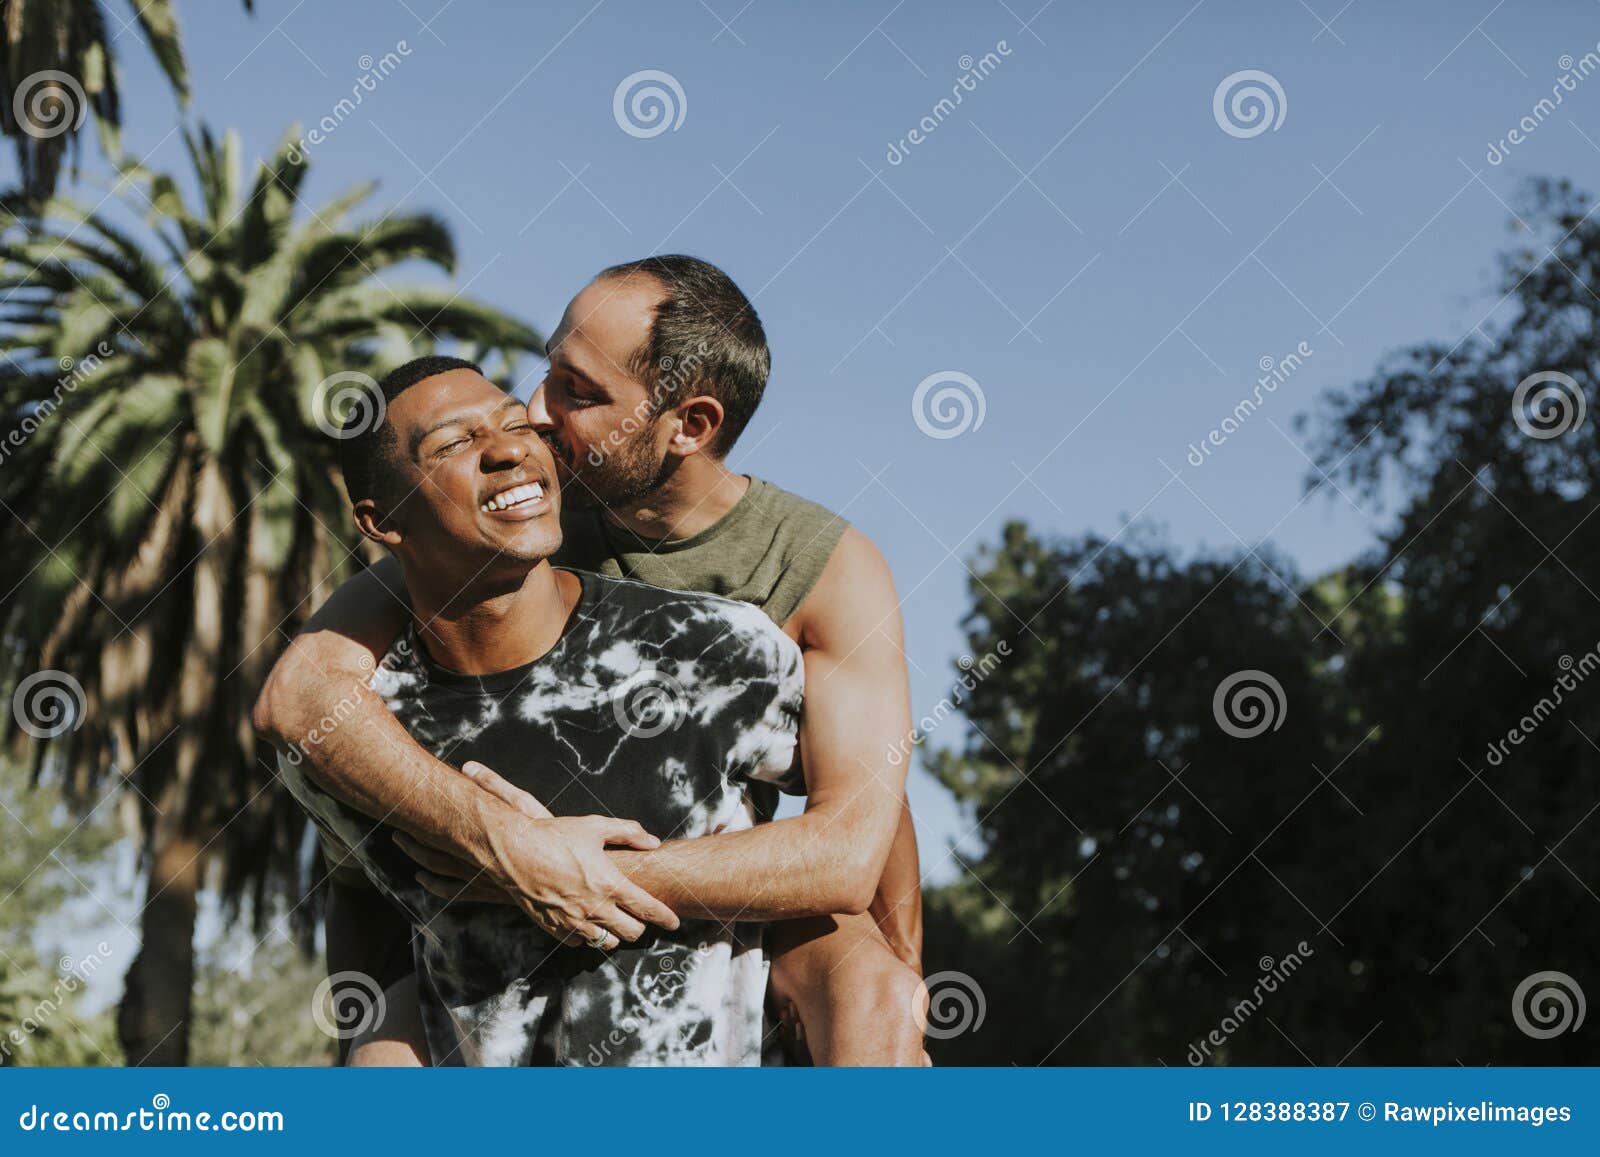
(679, 710)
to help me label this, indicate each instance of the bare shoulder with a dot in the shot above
(854, 597)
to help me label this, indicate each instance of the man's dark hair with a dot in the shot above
(369, 450)
(705, 338)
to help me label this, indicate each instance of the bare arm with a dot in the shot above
(857, 709)
(555, 869)
(897, 907)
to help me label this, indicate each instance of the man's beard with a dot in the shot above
(625, 476)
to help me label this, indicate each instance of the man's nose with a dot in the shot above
(538, 412)
(506, 451)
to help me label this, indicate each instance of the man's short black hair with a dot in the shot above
(705, 338)
(369, 450)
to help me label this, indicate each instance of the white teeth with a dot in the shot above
(515, 496)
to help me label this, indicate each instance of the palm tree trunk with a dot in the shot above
(153, 1019)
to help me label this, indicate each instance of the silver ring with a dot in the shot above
(598, 941)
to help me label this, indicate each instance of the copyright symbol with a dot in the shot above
(1367, 1110)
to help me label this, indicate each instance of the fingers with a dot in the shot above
(486, 778)
(437, 862)
(634, 899)
(620, 923)
(625, 834)
(459, 891)
(592, 936)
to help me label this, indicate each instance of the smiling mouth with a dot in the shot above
(524, 497)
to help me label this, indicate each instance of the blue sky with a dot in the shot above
(1080, 237)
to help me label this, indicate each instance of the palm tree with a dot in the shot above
(170, 500)
(59, 57)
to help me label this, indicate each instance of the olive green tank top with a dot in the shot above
(769, 550)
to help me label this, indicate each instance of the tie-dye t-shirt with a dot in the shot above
(678, 710)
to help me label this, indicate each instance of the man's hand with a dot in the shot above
(555, 869)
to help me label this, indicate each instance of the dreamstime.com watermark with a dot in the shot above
(73, 374)
(1273, 973)
(974, 672)
(1249, 703)
(948, 404)
(49, 103)
(1572, 73)
(160, 1117)
(675, 376)
(652, 992)
(948, 1004)
(1548, 1004)
(1576, 671)
(1249, 102)
(1548, 404)
(1274, 373)
(973, 73)
(75, 974)
(372, 72)
(648, 103)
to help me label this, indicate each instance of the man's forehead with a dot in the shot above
(615, 311)
(456, 394)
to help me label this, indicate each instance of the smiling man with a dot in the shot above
(659, 709)
(655, 369)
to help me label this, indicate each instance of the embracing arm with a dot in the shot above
(897, 907)
(555, 869)
(857, 710)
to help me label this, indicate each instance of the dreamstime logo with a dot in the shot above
(49, 103)
(649, 703)
(1273, 974)
(948, 404)
(1248, 103)
(948, 1004)
(74, 372)
(973, 672)
(1274, 373)
(74, 975)
(372, 72)
(48, 703)
(343, 396)
(973, 72)
(1551, 999)
(1248, 703)
(648, 103)
(347, 1004)
(1547, 405)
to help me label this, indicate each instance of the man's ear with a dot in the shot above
(375, 523)
(699, 421)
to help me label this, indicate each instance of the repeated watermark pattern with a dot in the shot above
(947, 1004)
(48, 703)
(1548, 1004)
(1548, 404)
(1249, 703)
(75, 974)
(649, 703)
(1273, 974)
(1274, 373)
(648, 103)
(1572, 73)
(1576, 671)
(49, 103)
(74, 372)
(973, 672)
(973, 73)
(347, 395)
(1248, 103)
(373, 73)
(948, 404)
(348, 1004)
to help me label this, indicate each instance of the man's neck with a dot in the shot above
(492, 623)
(699, 493)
